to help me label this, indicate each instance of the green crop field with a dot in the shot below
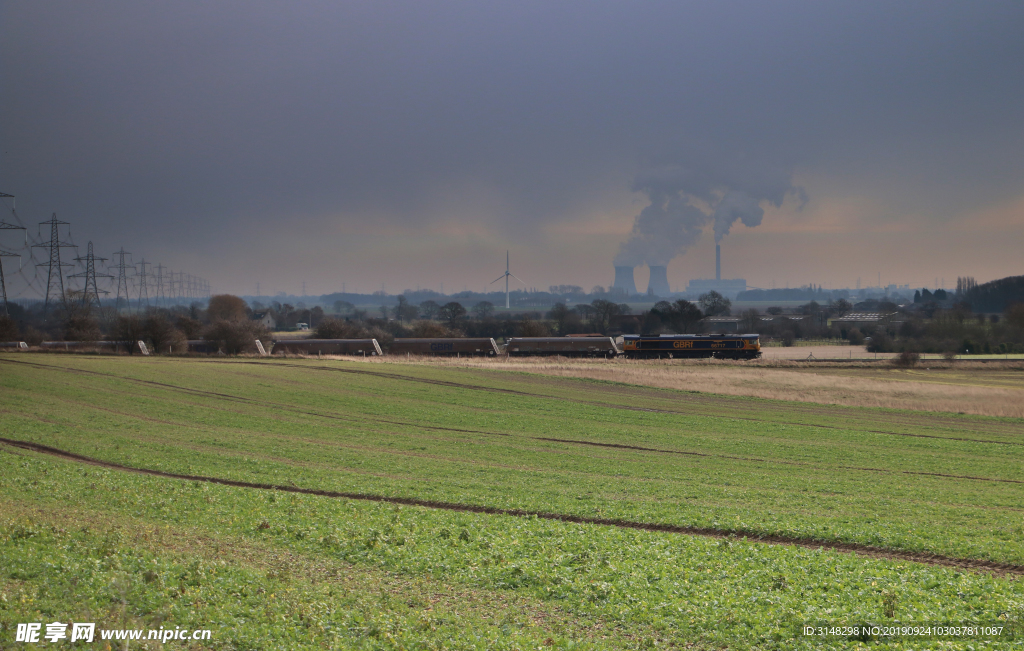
(592, 494)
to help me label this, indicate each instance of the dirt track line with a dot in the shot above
(623, 446)
(867, 550)
(771, 461)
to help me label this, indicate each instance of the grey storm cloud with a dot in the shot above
(184, 123)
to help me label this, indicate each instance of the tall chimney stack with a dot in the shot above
(718, 262)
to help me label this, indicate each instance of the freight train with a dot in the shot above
(692, 346)
(720, 346)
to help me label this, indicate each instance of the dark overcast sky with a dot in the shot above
(410, 144)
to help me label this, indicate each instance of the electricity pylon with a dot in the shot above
(160, 284)
(91, 292)
(3, 283)
(7, 254)
(143, 289)
(122, 281)
(54, 275)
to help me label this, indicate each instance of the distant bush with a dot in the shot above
(881, 343)
(8, 329)
(162, 336)
(32, 337)
(906, 359)
(126, 331)
(530, 328)
(189, 326)
(235, 337)
(81, 327)
(430, 329)
(383, 337)
(338, 329)
(856, 337)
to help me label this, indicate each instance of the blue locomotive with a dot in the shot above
(689, 346)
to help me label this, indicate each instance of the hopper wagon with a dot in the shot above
(94, 346)
(363, 347)
(692, 346)
(562, 346)
(78, 345)
(16, 345)
(462, 346)
(202, 346)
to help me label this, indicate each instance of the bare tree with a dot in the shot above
(750, 320)
(429, 309)
(452, 312)
(604, 311)
(714, 304)
(585, 311)
(686, 316)
(483, 309)
(841, 307)
(560, 314)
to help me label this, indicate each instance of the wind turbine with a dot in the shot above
(505, 276)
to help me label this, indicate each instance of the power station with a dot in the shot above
(728, 288)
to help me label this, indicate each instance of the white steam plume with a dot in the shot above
(683, 203)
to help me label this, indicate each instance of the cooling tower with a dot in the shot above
(659, 281)
(624, 279)
(718, 262)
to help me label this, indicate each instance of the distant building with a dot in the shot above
(861, 319)
(722, 324)
(265, 319)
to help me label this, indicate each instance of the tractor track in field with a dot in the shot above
(772, 461)
(865, 550)
(622, 446)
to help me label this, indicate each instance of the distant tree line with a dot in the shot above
(225, 321)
